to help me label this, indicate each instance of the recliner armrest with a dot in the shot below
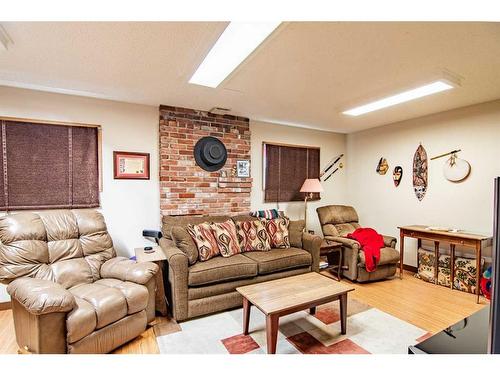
(41, 296)
(390, 241)
(125, 269)
(312, 244)
(345, 241)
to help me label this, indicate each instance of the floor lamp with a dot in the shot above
(310, 186)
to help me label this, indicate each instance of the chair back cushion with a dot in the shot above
(65, 246)
(338, 220)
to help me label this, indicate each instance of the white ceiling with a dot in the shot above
(305, 74)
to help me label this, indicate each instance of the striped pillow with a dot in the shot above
(266, 214)
(226, 237)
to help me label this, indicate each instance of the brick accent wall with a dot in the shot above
(185, 188)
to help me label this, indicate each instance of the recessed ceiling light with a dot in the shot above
(235, 44)
(405, 96)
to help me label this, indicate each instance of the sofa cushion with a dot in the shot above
(205, 241)
(280, 259)
(277, 229)
(253, 236)
(226, 237)
(387, 255)
(185, 243)
(221, 269)
(81, 321)
(295, 230)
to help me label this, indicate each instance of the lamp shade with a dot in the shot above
(311, 185)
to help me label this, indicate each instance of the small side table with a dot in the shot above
(158, 257)
(333, 252)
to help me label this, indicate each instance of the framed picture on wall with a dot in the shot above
(130, 165)
(243, 168)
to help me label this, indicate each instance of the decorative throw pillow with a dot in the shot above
(204, 239)
(266, 214)
(277, 229)
(226, 237)
(253, 236)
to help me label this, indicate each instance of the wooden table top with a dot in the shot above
(423, 228)
(155, 256)
(282, 294)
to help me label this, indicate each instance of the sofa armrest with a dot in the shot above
(125, 269)
(390, 241)
(312, 244)
(41, 296)
(177, 292)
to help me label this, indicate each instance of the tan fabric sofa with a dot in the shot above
(70, 292)
(336, 222)
(206, 287)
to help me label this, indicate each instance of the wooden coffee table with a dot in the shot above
(286, 296)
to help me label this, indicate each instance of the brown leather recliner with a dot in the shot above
(336, 222)
(70, 292)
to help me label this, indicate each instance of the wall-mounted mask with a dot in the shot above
(382, 166)
(397, 175)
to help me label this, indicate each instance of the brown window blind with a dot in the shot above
(48, 166)
(286, 168)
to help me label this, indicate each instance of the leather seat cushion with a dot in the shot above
(280, 259)
(388, 255)
(221, 269)
(109, 303)
(136, 295)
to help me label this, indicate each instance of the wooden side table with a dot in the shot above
(158, 257)
(333, 252)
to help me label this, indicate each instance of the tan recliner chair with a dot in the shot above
(336, 223)
(70, 292)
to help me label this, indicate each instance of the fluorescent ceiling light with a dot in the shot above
(235, 44)
(429, 89)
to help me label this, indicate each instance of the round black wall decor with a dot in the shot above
(210, 154)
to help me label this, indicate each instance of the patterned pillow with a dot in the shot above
(277, 229)
(204, 239)
(226, 237)
(253, 236)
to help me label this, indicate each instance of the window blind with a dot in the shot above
(46, 166)
(286, 168)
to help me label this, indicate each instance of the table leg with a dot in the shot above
(271, 332)
(312, 310)
(436, 261)
(478, 270)
(401, 254)
(343, 313)
(246, 315)
(452, 265)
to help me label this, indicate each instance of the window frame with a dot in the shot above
(264, 164)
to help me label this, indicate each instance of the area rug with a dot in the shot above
(369, 330)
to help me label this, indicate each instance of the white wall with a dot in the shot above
(331, 145)
(127, 205)
(467, 205)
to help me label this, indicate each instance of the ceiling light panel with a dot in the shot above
(405, 96)
(235, 44)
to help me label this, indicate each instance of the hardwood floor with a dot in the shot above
(425, 305)
(428, 306)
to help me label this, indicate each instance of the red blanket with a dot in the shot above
(371, 242)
